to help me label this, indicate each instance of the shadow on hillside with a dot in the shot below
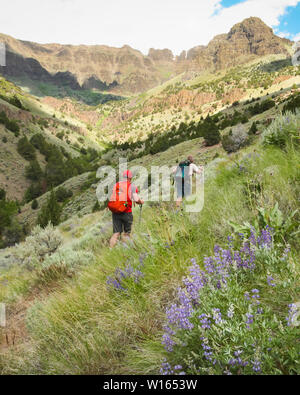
(276, 65)
(43, 89)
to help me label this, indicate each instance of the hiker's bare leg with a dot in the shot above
(178, 202)
(114, 240)
(125, 237)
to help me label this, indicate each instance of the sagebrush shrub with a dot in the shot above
(41, 243)
(237, 139)
(63, 263)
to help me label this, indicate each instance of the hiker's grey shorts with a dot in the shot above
(183, 187)
(122, 222)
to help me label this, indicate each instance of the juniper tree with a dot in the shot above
(26, 149)
(50, 212)
(211, 132)
(33, 171)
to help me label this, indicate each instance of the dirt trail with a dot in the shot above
(15, 332)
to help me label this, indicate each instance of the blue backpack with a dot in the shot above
(181, 169)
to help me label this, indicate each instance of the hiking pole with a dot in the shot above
(140, 218)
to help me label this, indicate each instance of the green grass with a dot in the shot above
(83, 327)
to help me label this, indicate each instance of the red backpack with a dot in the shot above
(118, 201)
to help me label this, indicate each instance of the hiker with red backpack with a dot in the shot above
(183, 173)
(120, 204)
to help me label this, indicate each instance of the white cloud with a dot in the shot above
(296, 37)
(283, 34)
(174, 24)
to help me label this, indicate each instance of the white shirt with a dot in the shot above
(193, 169)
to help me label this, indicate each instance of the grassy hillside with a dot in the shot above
(77, 307)
(29, 117)
(188, 97)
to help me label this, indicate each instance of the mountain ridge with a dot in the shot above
(126, 69)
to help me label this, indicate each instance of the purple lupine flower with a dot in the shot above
(166, 369)
(232, 361)
(217, 269)
(177, 367)
(205, 321)
(169, 330)
(247, 296)
(113, 283)
(256, 366)
(230, 312)
(209, 265)
(265, 239)
(252, 237)
(178, 315)
(217, 248)
(285, 253)
(196, 281)
(217, 316)
(238, 259)
(207, 355)
(207, 352)
(121, 275)
(238, 353)
(249, 321)
(168, 342)
(270, 281)
(292, 313)
(255, 295)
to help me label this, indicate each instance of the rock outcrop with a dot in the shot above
(246, 40)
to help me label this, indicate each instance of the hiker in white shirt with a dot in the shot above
(183, 173)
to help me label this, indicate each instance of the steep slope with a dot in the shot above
(128, 70)
(21, 115)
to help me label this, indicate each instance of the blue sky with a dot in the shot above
(142, 24)
(290, 23)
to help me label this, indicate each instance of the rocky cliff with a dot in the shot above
(127, 70)
(245, 40)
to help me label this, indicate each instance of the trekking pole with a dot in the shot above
(140, 218)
